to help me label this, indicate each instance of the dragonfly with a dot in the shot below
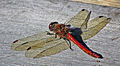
(77, 29)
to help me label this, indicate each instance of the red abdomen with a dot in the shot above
(84, 47)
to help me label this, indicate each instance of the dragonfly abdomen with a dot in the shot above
(83, 46)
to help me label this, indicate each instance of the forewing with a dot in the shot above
(94, 26)
(79, 19)
(25, 43)
(49, 48)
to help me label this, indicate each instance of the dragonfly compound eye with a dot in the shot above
(51, 25)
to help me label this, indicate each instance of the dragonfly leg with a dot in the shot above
(60, 37)
(69, 44)
(48, 33)
(55, 35)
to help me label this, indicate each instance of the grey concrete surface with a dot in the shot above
(22, 18)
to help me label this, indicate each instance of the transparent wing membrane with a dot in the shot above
(89, 28)
(25, 43)
(40, 45)
(84, 24)
(79, 19)
(49, 48)
(94, 26)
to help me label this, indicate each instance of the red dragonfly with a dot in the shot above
(76, 29)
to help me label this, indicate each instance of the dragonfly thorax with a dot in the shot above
(60, 29)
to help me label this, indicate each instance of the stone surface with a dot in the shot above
(22, 18)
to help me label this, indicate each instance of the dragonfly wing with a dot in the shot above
(39, 45)
(84, 24)
(25, 43)
(94, 26)
(49, 48)
(79, 19)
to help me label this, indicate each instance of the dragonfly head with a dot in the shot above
(51, 25)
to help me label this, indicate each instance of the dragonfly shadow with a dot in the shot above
(76, 31)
